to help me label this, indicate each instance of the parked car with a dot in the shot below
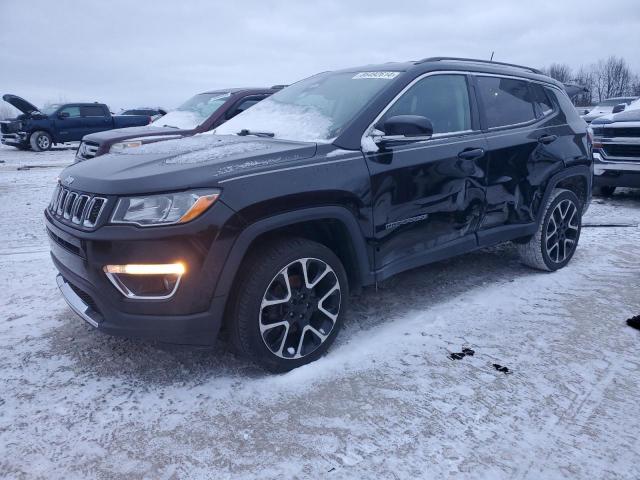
(39, 129)
(334, 183)
(606, 106)
(152, 113)
(200, 113)
(616, 146)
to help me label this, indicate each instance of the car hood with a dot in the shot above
(193, 162)
(133, 132)
(626, 116)
(20, 103)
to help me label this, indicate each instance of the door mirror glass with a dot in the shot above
(63, 115)
(408, 126)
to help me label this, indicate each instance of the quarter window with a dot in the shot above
(541, 99)
(506, 101)
(443, 99)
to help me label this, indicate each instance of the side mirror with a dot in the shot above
(405, 128)
(63, 115)
(619, 108)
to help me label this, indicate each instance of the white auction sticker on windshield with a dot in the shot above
(382, 75)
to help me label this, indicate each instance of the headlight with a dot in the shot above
(119, 147)
(165, 209)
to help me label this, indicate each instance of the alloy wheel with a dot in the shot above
(299, 308)
(563, 230)
(43, 142)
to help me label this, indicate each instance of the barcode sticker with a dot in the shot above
(382, 75)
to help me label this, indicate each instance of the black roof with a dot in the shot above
(455, 63)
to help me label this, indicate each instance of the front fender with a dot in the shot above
(266, 225)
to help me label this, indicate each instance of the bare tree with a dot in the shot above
(559, 71)
(585, 78)
(612, 78)
(7, 112)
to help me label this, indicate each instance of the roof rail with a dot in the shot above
(475, 60)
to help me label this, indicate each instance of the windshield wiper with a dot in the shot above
(171, 126)
(244, 132)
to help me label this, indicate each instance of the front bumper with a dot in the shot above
(20, 138)
(192, 316)
(615, 172)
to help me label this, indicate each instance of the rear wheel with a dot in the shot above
(40, 141)
(555, 242)
(289, 304)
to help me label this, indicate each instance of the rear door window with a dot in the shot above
(92, 111)
(506, 101)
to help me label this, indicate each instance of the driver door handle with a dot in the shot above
(471, 153)
(547, 139)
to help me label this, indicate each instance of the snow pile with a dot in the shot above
(291, 122)
(180, 119)
(179, 145)
(220, 151)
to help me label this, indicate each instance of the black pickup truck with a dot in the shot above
(39, 129)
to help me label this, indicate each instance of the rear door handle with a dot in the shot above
(546, 139)
(471, 153)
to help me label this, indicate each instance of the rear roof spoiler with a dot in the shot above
(573, 89)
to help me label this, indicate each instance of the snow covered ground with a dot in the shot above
(386, 402)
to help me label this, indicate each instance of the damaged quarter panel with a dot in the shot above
(523, 156)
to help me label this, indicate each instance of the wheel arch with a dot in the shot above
(333, 226)
(42, 129)
(577, 179)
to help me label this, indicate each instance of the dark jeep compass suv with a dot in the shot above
(334, 183)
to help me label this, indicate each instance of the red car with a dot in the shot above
(202, 112)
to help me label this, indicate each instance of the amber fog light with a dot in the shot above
(146, 281)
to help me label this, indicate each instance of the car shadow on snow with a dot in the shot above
(96, 354)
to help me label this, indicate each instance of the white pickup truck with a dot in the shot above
(616, 150)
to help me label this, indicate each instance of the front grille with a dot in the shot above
(76, 208)
(619, 150)
(10, 127)
(85, 297)
(618, 132)
(64, 244)
(88, 150)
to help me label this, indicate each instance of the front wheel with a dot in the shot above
(40, 141)
(555, 241)
(289, 304)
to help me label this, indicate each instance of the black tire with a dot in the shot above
(604, 191)
(262, 280)
(40, 141)
(556, 240)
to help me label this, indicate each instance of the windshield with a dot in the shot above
(49, 109)
(193, 112)
(316, 109)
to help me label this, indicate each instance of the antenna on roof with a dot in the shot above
(491, 59)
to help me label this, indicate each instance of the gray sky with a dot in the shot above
(135, 53)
